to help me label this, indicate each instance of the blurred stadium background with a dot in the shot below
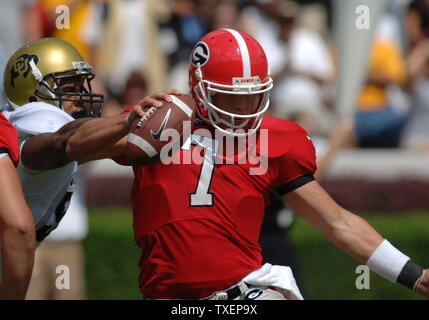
(334, 62)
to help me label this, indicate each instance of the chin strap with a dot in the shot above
(80, 114)
(39, 77)
(36, 72)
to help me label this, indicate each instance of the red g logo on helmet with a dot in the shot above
(229, 62)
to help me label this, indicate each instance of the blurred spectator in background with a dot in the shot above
(70, 20)
(380, 118)
(305, 82)
(63, 247)
(130, 41)
(341, 136)
(226, 14)
(3, 62)
(416, 132)
(12, 32)
(259, 19)
(47, 18)
(135, 89)
(178, 36)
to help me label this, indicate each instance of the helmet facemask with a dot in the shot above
(49, 89)
(237, 124)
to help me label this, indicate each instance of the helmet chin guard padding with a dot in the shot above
(229, 62)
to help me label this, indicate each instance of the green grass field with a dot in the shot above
(111, 256)
(328, 273)
(325, 271)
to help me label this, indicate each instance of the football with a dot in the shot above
(159, 128)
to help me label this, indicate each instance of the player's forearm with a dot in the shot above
(17, 258)
(347, 231)
(355, 236)
(47, 151)
(94, 137)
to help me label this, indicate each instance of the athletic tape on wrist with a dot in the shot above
(387, 261)
(419, 281)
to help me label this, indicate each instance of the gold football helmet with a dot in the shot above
(35, 71)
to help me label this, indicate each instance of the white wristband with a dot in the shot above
(387, 261)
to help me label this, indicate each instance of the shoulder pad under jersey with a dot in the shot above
(36, 117)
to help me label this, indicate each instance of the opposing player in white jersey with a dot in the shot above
(47, 85)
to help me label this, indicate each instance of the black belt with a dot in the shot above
(235, 291)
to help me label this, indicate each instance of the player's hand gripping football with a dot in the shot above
(156, 99)
(423, 286)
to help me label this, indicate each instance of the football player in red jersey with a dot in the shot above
(197, 224)
(17, 235)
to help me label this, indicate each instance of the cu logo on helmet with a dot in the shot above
(200, 55)
(22, 65)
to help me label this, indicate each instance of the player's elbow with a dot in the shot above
(26, 234)
(21, 229)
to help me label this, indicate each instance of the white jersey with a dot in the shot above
(48, 192)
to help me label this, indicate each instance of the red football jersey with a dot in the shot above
(197, 224)
(9, 140)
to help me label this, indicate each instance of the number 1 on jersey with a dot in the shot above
(201, 197)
